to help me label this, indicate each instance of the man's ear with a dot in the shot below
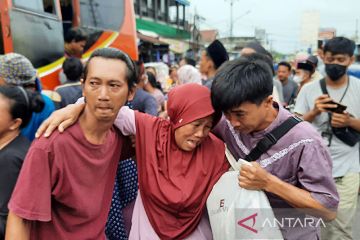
(131, 93)
(269, 101)
(16, 124)
(352, 60)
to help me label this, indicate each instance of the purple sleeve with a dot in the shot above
(31, 198)
(125, 121)
(315, 175)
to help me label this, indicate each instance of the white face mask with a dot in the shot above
(298, 78)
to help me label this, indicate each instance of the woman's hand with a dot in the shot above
(60, 119)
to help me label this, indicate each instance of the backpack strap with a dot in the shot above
(323, 86)
(271, 138)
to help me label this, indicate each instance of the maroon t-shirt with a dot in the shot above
(65, 185)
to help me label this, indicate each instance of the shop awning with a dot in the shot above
(153, 40)
(177, 46)
(161, 29)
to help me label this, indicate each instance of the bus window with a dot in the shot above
(39, 6)
(36, 5)
(49, 6)
(102, 14)
(67, 12)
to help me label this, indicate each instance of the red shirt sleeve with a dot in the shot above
(31, 198)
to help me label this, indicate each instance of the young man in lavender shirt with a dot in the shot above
(295, 173)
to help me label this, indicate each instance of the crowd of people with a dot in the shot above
(127, 156)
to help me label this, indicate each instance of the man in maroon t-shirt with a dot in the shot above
(65, 186)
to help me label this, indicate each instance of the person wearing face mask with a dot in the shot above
(303, 74)
(315, 107)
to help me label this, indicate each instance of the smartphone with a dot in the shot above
(339, 107)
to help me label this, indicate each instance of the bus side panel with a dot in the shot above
(105, 33)
(5, 27)
(37, 37)
(127, 32)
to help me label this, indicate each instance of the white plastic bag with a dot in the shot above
(237, 213)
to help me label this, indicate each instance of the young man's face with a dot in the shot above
(283, 73)
(105, 88)
(205, 63)
(249, 117)
(78, 47)
(341, 59)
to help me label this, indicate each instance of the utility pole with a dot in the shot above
(357, 31)
(231, 18)
(196, 29)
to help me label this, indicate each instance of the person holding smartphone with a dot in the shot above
(337, 109)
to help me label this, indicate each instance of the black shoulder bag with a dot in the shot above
(271, 138)
(347, 135)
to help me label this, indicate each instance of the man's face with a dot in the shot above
(341, 59)
(205, 63)
(105, 88)
(304, 75)
(249, 117)
(283, 73)
(78, 47)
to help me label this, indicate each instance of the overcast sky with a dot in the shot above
(280, 18)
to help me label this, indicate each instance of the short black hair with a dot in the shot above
(246, 79)
(116, 54)
(22, 102)
(320, 44)
(73, 69)
(75, 34)
(190, 61)
(285, 64)
(340, 45)
(152, 81)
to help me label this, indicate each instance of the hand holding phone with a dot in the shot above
(340, 108)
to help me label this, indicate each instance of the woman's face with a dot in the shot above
(6, 120)
(189, 136)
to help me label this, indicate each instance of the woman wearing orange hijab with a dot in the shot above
(178, 161)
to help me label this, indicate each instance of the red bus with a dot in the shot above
(36, 28)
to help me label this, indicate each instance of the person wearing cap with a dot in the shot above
(316, 75)
(17, 70)
(211, 59)
(303, 74)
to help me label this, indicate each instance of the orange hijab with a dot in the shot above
(175, 184)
